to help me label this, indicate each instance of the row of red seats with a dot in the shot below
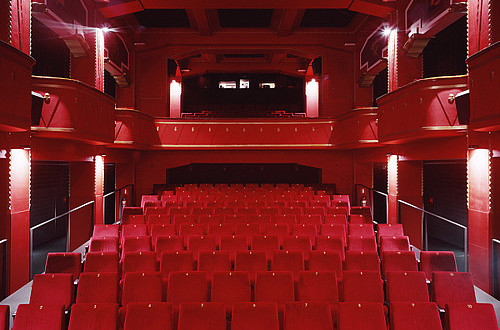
(244, 316)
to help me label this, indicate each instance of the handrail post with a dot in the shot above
(494, 270)
(399, 211)
(466, 250)
(31, 253)
(426, 234)
(5, 272)
(387, 209)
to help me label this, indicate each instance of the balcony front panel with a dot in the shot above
(356, 129)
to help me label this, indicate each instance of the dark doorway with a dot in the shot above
(109, 187)
(379, 200)
(49, 198)
(445, 194)
(244, 173)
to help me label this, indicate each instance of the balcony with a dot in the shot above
(356, 129)
(135, 130)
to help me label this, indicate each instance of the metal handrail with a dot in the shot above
(371, 191)
(119, 190)
(495, 267)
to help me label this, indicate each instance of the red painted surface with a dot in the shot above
(135, 129)
(20, 25)
(392, 188)
(99, 189)
(392, 60)
(484, 85)
(410, 190)
(245, 134)
(420, 109)
(19, 244)
(356, 129)
(71, 106)
(85, 69)
(15, 89)
(81, 187)
(478, 27)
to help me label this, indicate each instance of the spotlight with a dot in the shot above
(105, 29)
(386, 31)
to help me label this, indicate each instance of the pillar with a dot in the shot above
(312, 98)
(81, 191)
(15, 24)
(481, 16)
(392, 188)
(90, 69)
(99, 189)
(410, 189)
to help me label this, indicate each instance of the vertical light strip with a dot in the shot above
(312, 99)
(175, 99)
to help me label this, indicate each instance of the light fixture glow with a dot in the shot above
(105, 29)
(387, 31)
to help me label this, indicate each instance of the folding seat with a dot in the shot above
(340, 198)
(149, 198)
(134, 230)
(231, 287)
(406, 286)
(220, 229)
(361, 243)
(210, 219)
(40, 317)
(168, 244)
(162, 230)
(452, 287)
(362, 260)
(64, 262)
(334, 230)
(96, 288)
(233, 243)
(176, 261)
(298, 203)
(274, 287)
(182, 219)
(53, 289)
(290, 261)
(277, 203)
(289, 219)
(104, 244)
(247, 316)
(305, 230)
(248, 229)
(431, 261)
(389, 229)
(136, 219)
(470, 316)
(292, 210)
(314, 210)
(235, 218)
(201, 243)
(360, 219)
(326, 261)
(192, 230)
(187, 287)
(362, 286)
(4, 317)
(298, 243)
(318, 286)
(148, 315)
(148, 211)
(158, 219)
(202, 211)
(415, 316)
(139, 262)
(195, 204)
(267, 243)
(136, 244)
(393, 243)
(202, 316)
(224, 210)
(315, 219)
(247, 210)
(361, 315)
(93, 316)
(214, 261)
(251, 261)
(398, 261)
(128, 210)
(180, 210)
(340, 219)
(366, 210)
(259, 218)
(142, 287)
(337, 210)
(101, 230)
(271, 210)
(331, 244)
(319, 203)
(152, 204)
(361, 230)
(277, 229)
(102, 262)
(307, 315)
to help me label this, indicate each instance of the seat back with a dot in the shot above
(202, 316)
(362, 286)
(406, 286)
(255, 316)
(415, 316)
(64, 262)
(231, 287)
(187, 287)
(318, 286)
(357, 315)
(452, 287)
(148, 315)
(40, 317)
(142, 287)
(440, 261)
(94, 288)
(93, 316)
(470, 316)
(307, 315)
(56, 289)
(274, 287)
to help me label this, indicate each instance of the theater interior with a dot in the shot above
(249, 164)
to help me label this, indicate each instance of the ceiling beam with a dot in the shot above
(199, 18)
(290, 21)
(244, 4)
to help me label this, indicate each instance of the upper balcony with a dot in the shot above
(74, 111)
(135, 130)
(484, 81)
(356, 129)
(422, 109)
(15, 89)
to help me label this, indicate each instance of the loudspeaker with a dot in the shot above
(36, 108)
(317, 66)
(462, 102)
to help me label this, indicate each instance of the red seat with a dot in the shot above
(52, 289)
(415, 316)
(134, 230)
(104, 244)
(220, 229)
(64, 262)
(246, 316)
(334, 230)
(358, 315)
(337, 210)
(362, 260)
(102, 262)
(210, 219)
(361, 219)
(305, 230)
(192, 230)
(362, 286)
(162, 230)
(274, 287)
(4, 317)
(233, 243)
(267, 243)
(158, 219)
(202, 316)
(385, 229)
(292, 261)
(398, 261)
(307, 315)
(248, 229)
(96, 288)
(452, 287)
(168, 244)
(470, 316)
(231, 287)
(318, 286)
(148, 315)
(93, 316)
(361, 230)
(259, 218)
(298, 243)
(251, 262)
(340, 219)
(279, 229)
(394, 243)
(39, 317)
(289, 219)
(431, 261)
(406, 286)
(175, 261)
(101, 230)
(141, 287)
(187, 287)
(214, 261)
(135, 219)
(360, 243)
(136, 244)
(139, 262)
(201, 243)
(326, 261)
(331, 244)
